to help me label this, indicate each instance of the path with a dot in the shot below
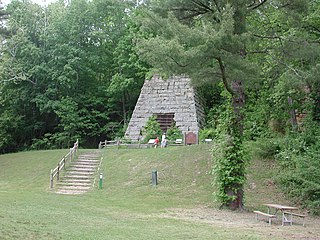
(80, 175)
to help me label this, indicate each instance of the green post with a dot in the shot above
(154, 177)
(100, 181)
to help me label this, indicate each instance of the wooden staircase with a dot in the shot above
(80, 175)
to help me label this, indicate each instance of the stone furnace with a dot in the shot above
(171, 100)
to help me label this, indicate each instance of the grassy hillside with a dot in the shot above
(128, 206)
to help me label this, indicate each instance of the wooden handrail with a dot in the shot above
(106, 143)
(62, 163)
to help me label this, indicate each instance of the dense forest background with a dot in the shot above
(67, 72)
(74, 71)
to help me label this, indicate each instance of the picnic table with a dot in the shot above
(286, 211)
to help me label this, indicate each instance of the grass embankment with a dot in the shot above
(128, 206)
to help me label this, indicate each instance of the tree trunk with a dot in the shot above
(124, 112)
(238, 101)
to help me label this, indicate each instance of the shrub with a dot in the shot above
(207, 133)
(174, 133)
(299, 160)
(267, 148)
(152, 129)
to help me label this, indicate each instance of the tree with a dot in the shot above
(67, 71)
(208, 40)
(130, 71)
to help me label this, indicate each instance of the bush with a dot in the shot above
(207, 133)
(173, 133)
(152, 129)
(301, 178)
(299, 160)
(267, 148)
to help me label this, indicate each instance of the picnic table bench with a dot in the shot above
(269, 216)
(286, 213)
(300, 215)
(286, 218)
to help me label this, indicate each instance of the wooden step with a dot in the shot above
(79, 169)
(81, 188)
(74, 184)
(92, 162)
(79, 177)
(70, 192)
(76, 176)
(88, 158)
(80, 173)
(83, 165)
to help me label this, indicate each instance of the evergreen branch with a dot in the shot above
(16, 78)
(269, 37)
(202, 5)
(208, 9)
(295, 71)
(284, 5)
(266, 37)
(258, 51)
(224, 76)
(201, 9)
(176, 62)
(254, 6)
(192, 15)
(217, 6)
(312, 29)
(315, 28)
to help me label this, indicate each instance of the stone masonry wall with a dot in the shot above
(158, 96)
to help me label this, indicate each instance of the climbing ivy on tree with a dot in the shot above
(229, 159)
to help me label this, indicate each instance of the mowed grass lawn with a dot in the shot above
(128, 206)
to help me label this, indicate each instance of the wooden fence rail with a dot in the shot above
(136, 144)
(106, 143)
(62, 163)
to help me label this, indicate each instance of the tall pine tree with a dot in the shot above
(207, 40)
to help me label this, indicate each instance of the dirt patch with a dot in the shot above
(247, 221)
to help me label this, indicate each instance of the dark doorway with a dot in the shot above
(165, 120)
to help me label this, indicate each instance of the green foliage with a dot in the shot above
(46, 142)
(258, 116)
(229, 168)
(152, 129)
(193, 46)
(229, 161)
(299, 161)
(8, 121)
(267, 148)
(173, 133)
(68, 71)
(207, 133)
